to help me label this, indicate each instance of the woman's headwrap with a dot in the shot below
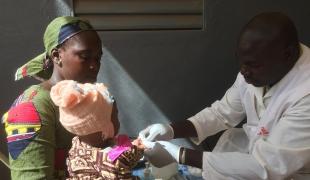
(56, 33)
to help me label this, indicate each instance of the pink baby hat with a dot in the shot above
(84, 108)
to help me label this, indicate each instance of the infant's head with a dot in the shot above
(85, 109)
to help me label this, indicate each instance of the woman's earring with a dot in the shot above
(91, 67)
(58, 62)
(48, 63)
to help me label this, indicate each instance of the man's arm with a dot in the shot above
(191, 157)
(223, 114)
(285, 151)
(183, 129)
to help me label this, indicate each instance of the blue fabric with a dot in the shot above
(16, 147)
(68, 30)
(183, 174)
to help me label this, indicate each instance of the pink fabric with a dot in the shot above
(123, 144)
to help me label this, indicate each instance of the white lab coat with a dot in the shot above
(274, 143)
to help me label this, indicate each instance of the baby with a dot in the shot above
(89, 112)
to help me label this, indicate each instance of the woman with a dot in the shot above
(37, 143)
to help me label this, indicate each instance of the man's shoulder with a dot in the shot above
(241, 84)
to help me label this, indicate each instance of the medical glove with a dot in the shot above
(157, 155)
(172, 149)
(157, 132)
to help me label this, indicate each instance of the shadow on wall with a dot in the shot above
(132, 101)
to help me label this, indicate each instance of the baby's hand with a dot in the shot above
(138, 142)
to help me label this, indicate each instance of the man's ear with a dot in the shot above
(291, 53)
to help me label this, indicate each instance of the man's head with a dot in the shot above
(267, 48)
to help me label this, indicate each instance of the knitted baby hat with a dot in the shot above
(84, 108)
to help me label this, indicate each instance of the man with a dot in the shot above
(272, 91)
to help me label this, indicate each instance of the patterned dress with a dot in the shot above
(86, 162)
(37, 143)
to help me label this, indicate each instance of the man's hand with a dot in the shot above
(157, 132)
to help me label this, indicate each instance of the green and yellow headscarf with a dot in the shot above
(56, 33)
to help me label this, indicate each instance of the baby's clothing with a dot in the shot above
(87, 162)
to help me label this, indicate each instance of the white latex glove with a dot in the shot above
(157, 155)
(161, 153)
(156, 132)
(174, 150)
